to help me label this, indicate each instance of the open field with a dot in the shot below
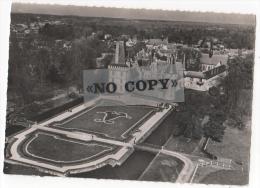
(229, 177)
(163, 168)
(236, 146)
(131, 169)
(182, 144)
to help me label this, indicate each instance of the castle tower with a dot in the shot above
(119, 71)
(184, 62)
(120, 52)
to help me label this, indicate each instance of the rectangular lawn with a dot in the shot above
(111, 121)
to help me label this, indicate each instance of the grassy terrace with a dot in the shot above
(59, 150)
(118, 130)
(53, 148)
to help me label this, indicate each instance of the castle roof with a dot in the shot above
(157, 42)
(214, 60)
(194, 74)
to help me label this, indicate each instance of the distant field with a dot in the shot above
(91, 121)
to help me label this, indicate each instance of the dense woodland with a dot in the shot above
(232, 36)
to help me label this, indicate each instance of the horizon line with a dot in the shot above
(136, 8)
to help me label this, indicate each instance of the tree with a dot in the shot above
(43, 63)
(83, 54)
(21, 78)
(63, 31)
(240, 76)
(24, 86)
(193, 128)
(192, 58)
(188, 124)
(53, 74)
(214, 128)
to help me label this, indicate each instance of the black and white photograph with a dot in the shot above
(150, 95)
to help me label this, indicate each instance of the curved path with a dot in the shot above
(117, 158)
(188, 168)
(125, 148)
